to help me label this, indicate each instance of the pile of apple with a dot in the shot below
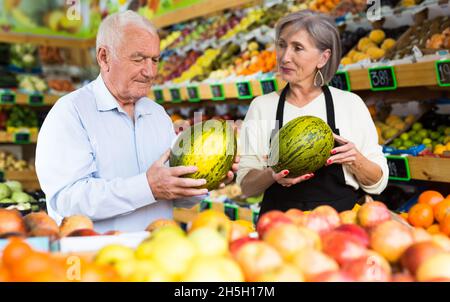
(171, 254)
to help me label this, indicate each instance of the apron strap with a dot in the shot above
(330, 109)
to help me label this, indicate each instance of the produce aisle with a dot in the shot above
(216, 57)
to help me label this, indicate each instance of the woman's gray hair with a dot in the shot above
(111, 29)
(323, 32)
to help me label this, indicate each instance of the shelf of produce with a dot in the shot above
(10, 138)
(407, 75)
(47, 99)
(9, 37)
(198, 10)
(429, 168)
(27, 178)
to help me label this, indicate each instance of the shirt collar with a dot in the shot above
(106, 101)
(103, 97)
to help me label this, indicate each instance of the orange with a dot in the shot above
(36, 264)
(4, 274)
(445, 225)
(433, 229)
(16, 250)
(430, 197)
(421, 215)
(442, 209)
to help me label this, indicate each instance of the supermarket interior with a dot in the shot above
(226, 61)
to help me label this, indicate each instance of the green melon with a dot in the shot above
(210, 146)
(301, 146)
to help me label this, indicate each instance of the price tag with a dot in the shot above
(205, 205)
(7, 97)
(231, 211)
(36, 100)
(193, 94)
(217, 92)
(244, 90)
(341, 81)
(268, 85)
(21, 138)
(159, 97)
(382, 78)
(398, 168)
(175, 94)
(255, 216)
(443, 72)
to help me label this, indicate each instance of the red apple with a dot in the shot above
(312, 263)
(348, 217)
(83, 233)
(297, 216)
(391, 239)
(287, 239)
(356, 232)
(75, 222)
(373, 213)
(342, 247)
(330, 214)
(435, 268)
(369, 268)
(333, 276)
(256, 258)
(237, 244)
(417, 253)
(286, 272)
(269, 219)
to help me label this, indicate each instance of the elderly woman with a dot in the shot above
(308, 54)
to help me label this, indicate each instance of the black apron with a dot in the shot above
(327, 187)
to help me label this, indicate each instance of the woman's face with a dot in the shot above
(297, 56)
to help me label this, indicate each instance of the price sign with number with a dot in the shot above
(231, 211)
(159, 97)
(382, 78)
(205, 205)
(193, 94)
(341, 81)
(7, 97)
(244, 90)
(217, 92)
(398, 168)
(21, 138)
(255, 216)
(268, 85)
(175, 94)
(36, 100)
(443, 72)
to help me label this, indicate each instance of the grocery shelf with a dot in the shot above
(47, 99)
(17, 138)
(9, 37)
(407, 75)
(27, 178)
(198, 10)
(430, 168)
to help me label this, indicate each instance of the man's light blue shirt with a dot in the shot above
(91, 159)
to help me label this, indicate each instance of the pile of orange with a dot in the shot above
(431, 212)
(265, 62)
(20, 263)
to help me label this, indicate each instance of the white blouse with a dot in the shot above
(352, 119)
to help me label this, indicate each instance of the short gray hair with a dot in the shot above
(112, 27)
(323, 32)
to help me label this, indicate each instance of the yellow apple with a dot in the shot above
(213, 219)
(113, 254)
(286, 239)
(213, 269)
(149, 271)
(209, 242)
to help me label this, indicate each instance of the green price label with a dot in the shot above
(205, 205)
(217, 92)
(382, 78)
(193, 94)
(159, 97)
(443, 72)
(244, 90)
(232, 211)
(398, 168)
(268, 86)
(7, 97)
(341, 81)
(21, 138)
(36, 100)
(175, 94)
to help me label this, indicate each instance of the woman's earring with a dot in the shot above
(322, 82)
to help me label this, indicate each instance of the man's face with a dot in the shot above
(134, 68)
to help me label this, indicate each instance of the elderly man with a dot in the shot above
(102, 149)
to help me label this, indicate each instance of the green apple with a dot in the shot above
(113, 254)
(209, 242)
(167, 231)
(213, 269)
